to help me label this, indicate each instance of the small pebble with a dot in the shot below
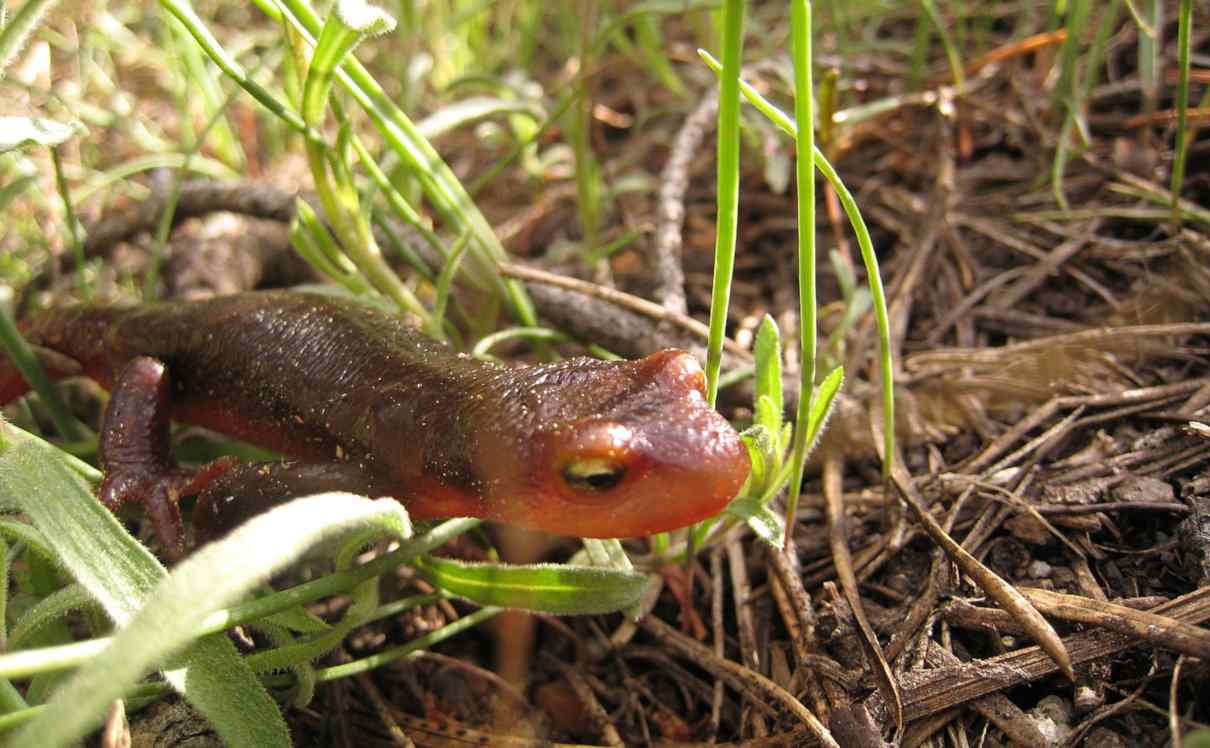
(1052, 716)
(1087, 698)
(1039, 570)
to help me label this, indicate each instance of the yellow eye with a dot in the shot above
(593, 474)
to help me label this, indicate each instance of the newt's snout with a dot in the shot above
(655, 459)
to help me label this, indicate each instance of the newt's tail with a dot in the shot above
(56, 339)
(12, 384)
(56, 366)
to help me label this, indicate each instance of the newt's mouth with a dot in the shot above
(650, 475)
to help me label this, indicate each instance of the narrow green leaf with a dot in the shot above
(762, 452)
(48, 610)
(767, 352)
(184, 13)
(727, 192)
(548, 588)
(312, 240)
(1181, 150)
(869, 258)
(445, 282)
(804, 169)
(343, 30)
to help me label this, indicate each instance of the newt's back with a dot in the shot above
(285, 370)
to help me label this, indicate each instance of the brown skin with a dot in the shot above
(363, 403)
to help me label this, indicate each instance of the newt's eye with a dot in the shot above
(593, 474)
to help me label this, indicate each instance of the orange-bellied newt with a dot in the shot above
(359, 401)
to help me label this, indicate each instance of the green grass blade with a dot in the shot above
(445, 282)
(727, 190)
(1067, 98)
(388, 655)
(947, 41)
(1184, 33)
(437, 180)
(551, 588)
(49, 609)
(1150, 52)
(804, 114)
(189, 19)
(868, 257)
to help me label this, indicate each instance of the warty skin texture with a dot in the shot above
(580, 447)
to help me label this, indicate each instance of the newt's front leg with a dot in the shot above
(139, 468)
(136, 457)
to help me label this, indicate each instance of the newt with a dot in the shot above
(358, 401)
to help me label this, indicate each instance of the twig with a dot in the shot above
(383, 710)
(839, 541)
(797, 614)
(999, 590)
(1142, 336)
(743, 617)
(741, 678)
(927, 692)
(669, 272)
(1157, 630)
(1174, 718)
(996, 707)
(622, 299)
(596, 712)
(718, 634)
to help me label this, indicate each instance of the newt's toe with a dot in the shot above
(159, 493)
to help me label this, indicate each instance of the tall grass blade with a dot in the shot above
(727, 190)
(804, 114)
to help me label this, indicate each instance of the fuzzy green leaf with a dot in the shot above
(821, 404)
(766, 523)
(160, 617)
(120, 574)
(364, 18)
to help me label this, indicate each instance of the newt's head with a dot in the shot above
(621, 449)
